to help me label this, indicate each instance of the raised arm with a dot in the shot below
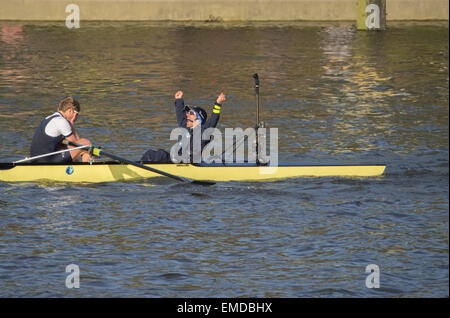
(213, 120)
(179, 109)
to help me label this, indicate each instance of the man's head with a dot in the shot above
(69, 108)
(195, 116)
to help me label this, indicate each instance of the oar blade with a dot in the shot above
(203, 183)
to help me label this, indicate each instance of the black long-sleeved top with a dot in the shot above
(211, 121)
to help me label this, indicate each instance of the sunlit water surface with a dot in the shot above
(335, 94)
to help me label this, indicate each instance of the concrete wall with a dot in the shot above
(219, 10)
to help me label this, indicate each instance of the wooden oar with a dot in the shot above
(99, 152)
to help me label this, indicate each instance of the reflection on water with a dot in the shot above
(336, 95)
(338, 79)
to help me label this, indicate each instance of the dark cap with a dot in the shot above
(200, 111)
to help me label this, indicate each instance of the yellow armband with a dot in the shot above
(216, 109)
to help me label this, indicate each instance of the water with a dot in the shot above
(336, 95)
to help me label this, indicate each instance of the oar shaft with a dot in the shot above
(137, 164)
(98, 152)
(50, 154)
(256, 77)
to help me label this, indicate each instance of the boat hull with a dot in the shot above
(114, 171)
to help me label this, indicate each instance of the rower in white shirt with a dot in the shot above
(56, 128)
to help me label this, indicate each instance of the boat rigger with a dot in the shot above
(112, 171)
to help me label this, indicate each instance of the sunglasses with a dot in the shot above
(191, 112)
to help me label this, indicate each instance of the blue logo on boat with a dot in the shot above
(69, 170)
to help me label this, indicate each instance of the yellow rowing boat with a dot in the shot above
(112, 171)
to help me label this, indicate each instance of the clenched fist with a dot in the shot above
(178, 94)
(221, 98)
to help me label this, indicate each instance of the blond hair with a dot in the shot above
(68, 103)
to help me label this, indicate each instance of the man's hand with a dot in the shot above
(74, 131)
(178, 95)
(221, 98)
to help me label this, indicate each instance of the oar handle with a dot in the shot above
(70, 143)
